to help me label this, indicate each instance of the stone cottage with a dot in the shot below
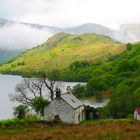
(67, 107)
(137, 114)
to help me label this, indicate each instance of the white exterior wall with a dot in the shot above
(136, 116)
(61, 108)
(79, 114)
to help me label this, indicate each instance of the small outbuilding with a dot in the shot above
(137, 114)
(91, 113)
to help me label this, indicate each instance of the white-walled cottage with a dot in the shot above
(67, 107)
(137, 114)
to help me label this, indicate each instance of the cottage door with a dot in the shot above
(91, 116)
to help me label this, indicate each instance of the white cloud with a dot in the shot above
(128, 33)
(63, 13)
(72, 12)
(19, 36)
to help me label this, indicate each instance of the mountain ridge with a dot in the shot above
(75, 29)
(126, 33)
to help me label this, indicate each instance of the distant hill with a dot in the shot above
(37, 34)
(18, 41)
(85, 28)
(40, 33)
(18, 36)
(63, 49)
(5, 55)
(6, 22)
(90, 28)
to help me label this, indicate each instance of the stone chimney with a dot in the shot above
(58, 93)
(69, 90)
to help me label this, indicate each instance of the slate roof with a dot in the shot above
(71, 100)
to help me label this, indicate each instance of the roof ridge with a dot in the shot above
(72, 100)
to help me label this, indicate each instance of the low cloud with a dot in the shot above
(128, 33)
(18, 37)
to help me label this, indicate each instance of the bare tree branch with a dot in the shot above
(31, 88)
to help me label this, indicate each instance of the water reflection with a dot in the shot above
(95, 104)
(7, 86)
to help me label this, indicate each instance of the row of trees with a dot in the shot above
(94, 87)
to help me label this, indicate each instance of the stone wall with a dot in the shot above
(79, 114)
(61, 108)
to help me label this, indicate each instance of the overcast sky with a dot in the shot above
(65, 13)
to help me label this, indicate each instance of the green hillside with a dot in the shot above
(63, 49)
(118, 77)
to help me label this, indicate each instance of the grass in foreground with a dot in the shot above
(91, 130)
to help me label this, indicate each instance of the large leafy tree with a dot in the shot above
(79, 91)
(38, 104)
(95, 86)
(121, 103)
(20, 111)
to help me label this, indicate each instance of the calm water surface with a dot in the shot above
(7, 86)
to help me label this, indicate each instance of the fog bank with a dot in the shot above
(19, 36)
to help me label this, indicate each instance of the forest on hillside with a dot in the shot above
(119, 75)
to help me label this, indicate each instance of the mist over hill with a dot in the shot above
(63, 49)
(17, 36)
(128, 33)
(4, 22)
(20, 35)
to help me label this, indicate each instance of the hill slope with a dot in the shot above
(29, 35)
(63, 49)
